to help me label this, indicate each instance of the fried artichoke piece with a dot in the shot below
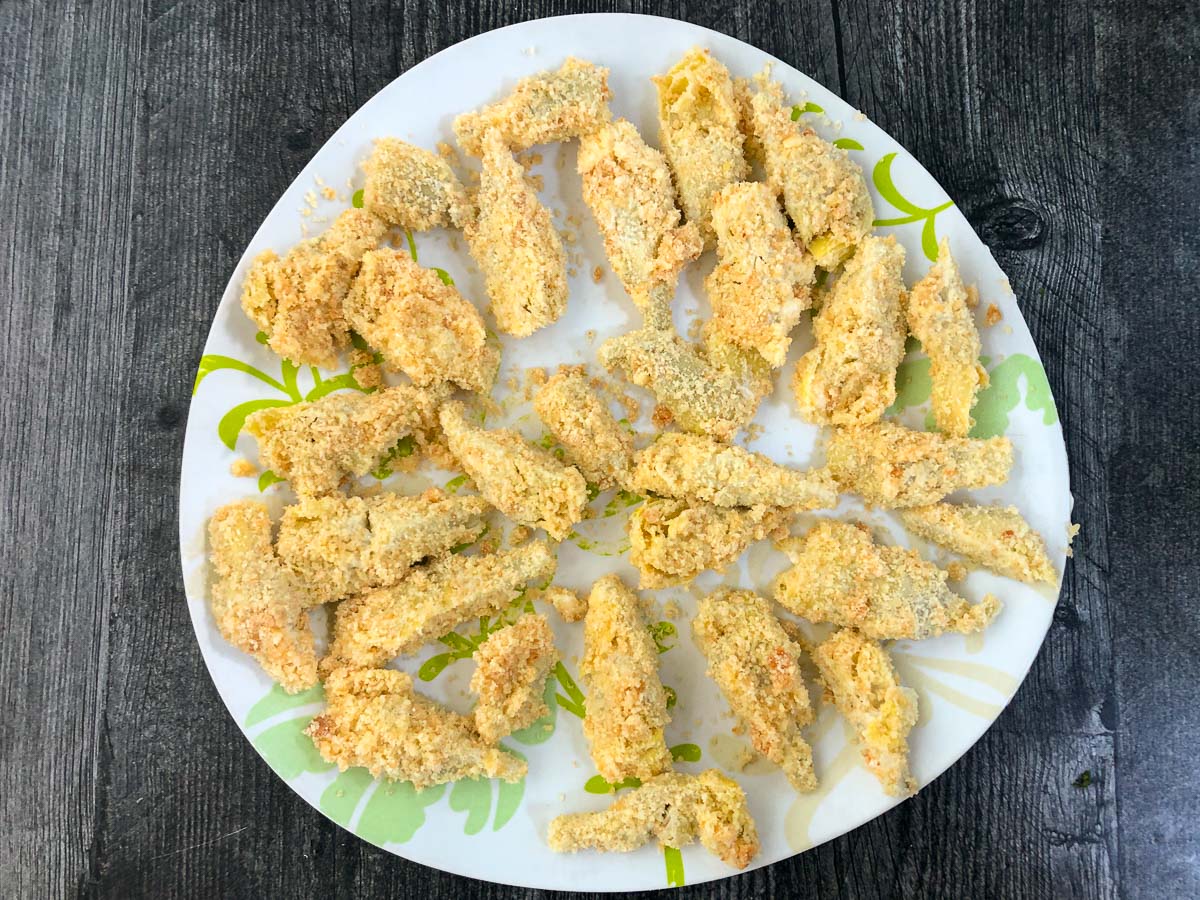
(511, 668)
(996, 537)
(580, 420)
(410, 187)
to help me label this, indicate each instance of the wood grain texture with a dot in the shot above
(143, 143)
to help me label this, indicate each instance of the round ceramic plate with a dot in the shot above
(496, 831)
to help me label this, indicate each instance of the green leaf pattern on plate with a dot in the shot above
(882, 176)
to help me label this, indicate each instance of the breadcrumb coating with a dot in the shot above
(258, 603)
(545, 108)
(314, 446)
(893, 466)
(859, 675)
(675, 808)
(521, 480)
(757, 667)
(376, 720)
(413, 188)
(996, 537)
(627, 185)
(840, 575)
(702, 396)
(510, 676)
(340, 546)
(513, 241)
(370, 629)
(580, 420)
(626, 703)
(760, 286)
(422, 326)
(566, 603)
(673, 541)
(939, 317)
(849, 377)
(694, 467)
(824, 191)
(699, 133)
(297, 300)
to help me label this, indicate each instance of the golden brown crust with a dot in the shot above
(674, 808)
(694, 467)
(860, 676)
(580, 420)
(699, 133)
(626, 704)
(893, 466)
(513, 241)
(297, 300)
(566, 603)
(314, 446)
(511, 667)
(340, 546)
(673, 541)
(840, 575)
(996, 537)
(521, 480)
(542, 109)
(370, 629)
(849, 377)
(760, 287)
(413, 188)
(376, 720)
(258, 603)
(757, 668)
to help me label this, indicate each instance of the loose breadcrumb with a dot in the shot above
(626, 703)
(893, 466)
(510, 677)
(410, 187)
(675, 808)
(997, 538)
(840, 575)
(242, 468)
(376, 720)
(939, 317)
(523, 481)
(567, 603)
(422, 326)
(993, 315)
(863, 682)
(581, 422)
(369, 629)
(757, 668)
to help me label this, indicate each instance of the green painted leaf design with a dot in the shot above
(508, 799)
(540, 730)
(434, 666)
(674, 862)
(621, 501)
(278, 700)
(357, 200)
(848, 144)
(445, 276)
(289, 751)
(234, 421)
(672, 697)
(913, 384)
(474, 797)
(882, 176)
(266, 479)
(402, 450)
(685, 753)
(412, 245)
(340, 799)
(395, 812)
(453, 485)
(597, 785)
(663, 634)
(574, 702)
(1003, 395)
(214, 362)
(809, 107)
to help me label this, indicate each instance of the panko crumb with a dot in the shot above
(993, 315)
(242, 468)
(590, 335)
(957, 571)
(566, 603)
(1072, 530)
(597, 275)
(328, 193)
(972, 297)
(661, 417)
(672, 609)
(519, 535)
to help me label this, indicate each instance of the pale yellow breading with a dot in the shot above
(566, 603)
(760, 287)
(840, 575)
(523, 481)
(996, 537)
(824, 191)
(376, 720)
(423, 327)
(340, 546)
(702, 395)
(511, 667)
(939, 317)
(314, 446)
(866, 690)
(258, 603)
(370, 629)
(413, 188)
(626, 703)
(513, 241)
(674, 808)
(893, 466)
(849, 377)
(699, 133)
(627, 185)
(673, 541)
(695, 467)
(757, 667)
(545, 108)
(580, 420)
(297, 300)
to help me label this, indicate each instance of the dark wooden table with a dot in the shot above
(140, 146)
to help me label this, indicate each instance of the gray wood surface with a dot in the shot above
(142, 144)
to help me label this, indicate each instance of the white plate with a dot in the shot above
(497, 832)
